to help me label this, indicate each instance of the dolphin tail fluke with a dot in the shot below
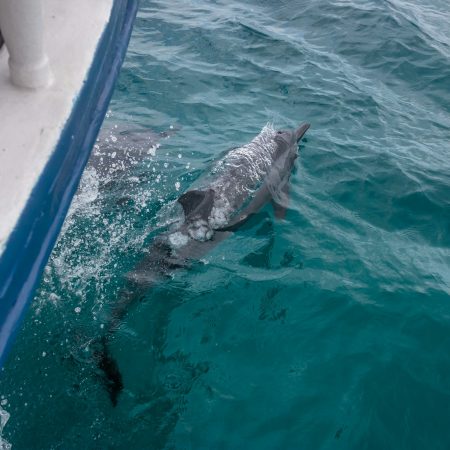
(301, 130)
(107, 365)
(110, 371)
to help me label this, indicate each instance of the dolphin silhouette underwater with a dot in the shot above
(118, 149)
(239, 185)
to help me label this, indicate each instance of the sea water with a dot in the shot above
(329, 329)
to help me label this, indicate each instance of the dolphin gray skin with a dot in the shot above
(239, 185)
(118, 149)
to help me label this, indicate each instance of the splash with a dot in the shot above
(255, 157)
(4, 417)
(116, 193)
(240, 172)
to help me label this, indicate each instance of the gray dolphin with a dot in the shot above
(119, 149)
(239, 185)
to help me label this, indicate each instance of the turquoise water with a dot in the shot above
(330, 329)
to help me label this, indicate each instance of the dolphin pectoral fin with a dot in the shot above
(279, 193)
(217, 238)
(279, 210)
(234, 224)
(280, 201)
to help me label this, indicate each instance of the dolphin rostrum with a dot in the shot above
(239, 185)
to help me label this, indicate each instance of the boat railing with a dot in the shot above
(22, 28)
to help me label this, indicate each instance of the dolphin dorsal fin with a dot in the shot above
(197, 202)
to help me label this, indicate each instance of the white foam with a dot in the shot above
(200, 230)
(220, 213)
(239, 173)
(4, 417)
(178, 239)
(255, 157)
(152, 150)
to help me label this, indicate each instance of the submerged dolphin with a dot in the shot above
(239, 185)
(118, 149)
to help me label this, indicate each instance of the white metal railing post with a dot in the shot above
(21, 23)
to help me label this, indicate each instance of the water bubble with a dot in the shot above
(152, 150)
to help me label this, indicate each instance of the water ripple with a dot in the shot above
(326, 330)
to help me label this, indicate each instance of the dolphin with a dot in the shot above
(119, 148)
(238, 186)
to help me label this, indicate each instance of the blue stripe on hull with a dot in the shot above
(30, 244)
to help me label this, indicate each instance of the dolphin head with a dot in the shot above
(288, 138)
